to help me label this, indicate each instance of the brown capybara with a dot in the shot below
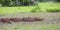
(16, 19)
(38, 19)
(28, 19)
(5, 20)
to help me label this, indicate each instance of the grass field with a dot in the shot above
(51, 22)
(33, 27)
(41, 25)
(43, 7)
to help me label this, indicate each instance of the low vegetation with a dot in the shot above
(42, 7)
(53, 10)
(36, 9)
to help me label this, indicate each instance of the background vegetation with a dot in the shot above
(42, 7)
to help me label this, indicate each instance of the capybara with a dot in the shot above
(5, 20)
(28, 19)
(16, 19)
(38, 19)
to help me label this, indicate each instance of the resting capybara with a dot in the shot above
(7, 20)
(16, 19)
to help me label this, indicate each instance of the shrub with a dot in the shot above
(36, 9)
(10, 3)
(53, 10)
(6, 3)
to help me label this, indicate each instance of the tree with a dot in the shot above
(6, 3)
(17, 2)
(58, 0)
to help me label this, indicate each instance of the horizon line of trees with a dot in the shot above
(18, 2)
(22, 2)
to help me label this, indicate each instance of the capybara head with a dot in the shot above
(16, 19)
(5, 20)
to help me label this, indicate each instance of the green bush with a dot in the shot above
(10, 3)
(36, 9)
(53, 10)
(6, 3)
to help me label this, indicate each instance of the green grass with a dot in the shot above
(15, 9)
(50, 5)
(34, 27)
(42, 5)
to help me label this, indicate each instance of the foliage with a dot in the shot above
(15, 2)
(44, 6)
(6, 3)
(36, 9)
(53, 10)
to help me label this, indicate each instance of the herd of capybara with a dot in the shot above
(28, 19)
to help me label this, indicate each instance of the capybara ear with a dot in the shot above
(16, 19)
(5, 20)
